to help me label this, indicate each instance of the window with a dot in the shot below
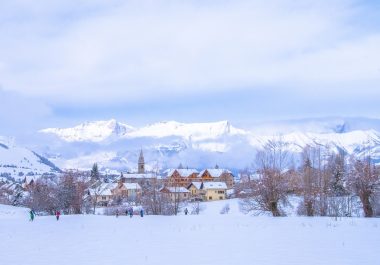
(104, 198)
(221, 192)
(210, 197)
(220, 198)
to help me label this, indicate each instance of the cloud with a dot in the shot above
(127, 51)
(19, 115)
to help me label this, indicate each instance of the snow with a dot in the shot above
(177, 189)
(205, 239)
(132, 186)
(91, 131)
(214, 185)
(215, 172)
(101, 130)
(183, 172)
(19, 161)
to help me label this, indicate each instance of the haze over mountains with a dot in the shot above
(115, 145)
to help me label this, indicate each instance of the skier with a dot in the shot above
(117, 213)
(142, 212)
(57, 214)
(186, 211)
(32, 214)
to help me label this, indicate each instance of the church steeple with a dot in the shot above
(141, 163)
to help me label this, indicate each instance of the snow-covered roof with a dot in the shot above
(132, 186)
(103, 189)
(215, 172)
(177, 189)
(183, 172)
(139, 176)
(214, 185)
(197, 185)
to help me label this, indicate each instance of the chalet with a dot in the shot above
(176, 193)
(181, 177)
(28, 182)
(213, 191)
(217, 175)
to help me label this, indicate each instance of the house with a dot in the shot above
(101, 194)
(213, 191)
(106, 193)
(127, 190)
(217, 175)
(181, 177)
(176, 193)
(195, 189)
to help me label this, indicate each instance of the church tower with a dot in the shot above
(141, 163)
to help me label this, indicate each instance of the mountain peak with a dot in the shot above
(94, 131)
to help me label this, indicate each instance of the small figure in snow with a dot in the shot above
(117, 213)
(127, 212)
(131, 212)
(186, 211)
(57, 214)
(142, 212)
(32, 214)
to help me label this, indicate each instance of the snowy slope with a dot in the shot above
(18, 162)
(206, 239)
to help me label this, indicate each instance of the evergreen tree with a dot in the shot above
(95, 172)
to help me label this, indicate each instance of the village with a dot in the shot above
(176, 185)
(92, 192)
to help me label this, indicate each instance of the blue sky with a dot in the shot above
(64, 62)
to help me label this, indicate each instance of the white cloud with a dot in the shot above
(128, 51)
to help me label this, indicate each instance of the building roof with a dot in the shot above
(139, 175)
(215, 172)
(176, 189)
(196, 184)
(103, 189)
(214, 185)
(132, 186)
(183, 172)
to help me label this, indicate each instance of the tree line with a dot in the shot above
(328, 183)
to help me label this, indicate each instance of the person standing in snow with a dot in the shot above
(117, 213)
(32, 214)
(57, 214)
(186, 211)
(131, 212)
(142, 212)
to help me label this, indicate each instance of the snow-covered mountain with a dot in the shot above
(115, 145)
(17, 162)
(92, 131)
(99, 131)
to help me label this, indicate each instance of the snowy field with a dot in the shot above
(209, 238)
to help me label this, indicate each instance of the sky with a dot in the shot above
(65, 62)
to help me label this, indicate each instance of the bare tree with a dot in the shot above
(364, 180)
(269, 191)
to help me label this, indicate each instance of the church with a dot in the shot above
(142, 177)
